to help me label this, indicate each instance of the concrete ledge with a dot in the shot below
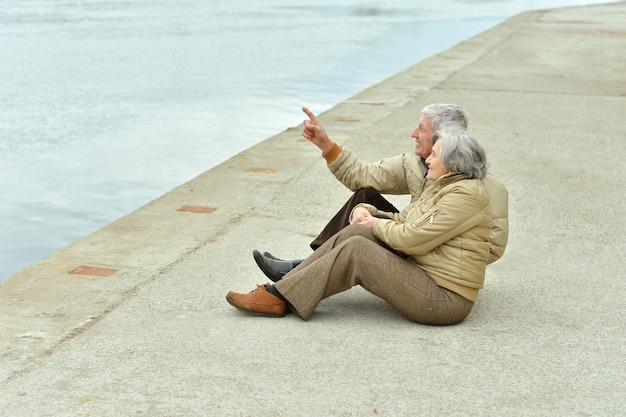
(141, 325)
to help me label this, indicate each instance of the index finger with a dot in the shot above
(310, 114)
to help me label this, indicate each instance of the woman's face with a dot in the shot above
(436, 168)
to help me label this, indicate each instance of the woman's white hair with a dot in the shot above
(461, 152)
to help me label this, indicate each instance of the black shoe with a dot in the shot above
(266, 265)
(274, 268)
(269, 255)
(290, 263)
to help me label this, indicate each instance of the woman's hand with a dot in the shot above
(314, 131)
(362, 216)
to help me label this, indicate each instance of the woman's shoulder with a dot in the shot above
(473, 185)
(472, 188)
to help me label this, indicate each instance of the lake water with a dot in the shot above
(107, 105)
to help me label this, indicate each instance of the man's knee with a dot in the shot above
(366, 194)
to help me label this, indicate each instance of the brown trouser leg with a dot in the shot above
(362, 195)
(355, 257)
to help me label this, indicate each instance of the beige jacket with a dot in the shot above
(404, 174)
(445, 232)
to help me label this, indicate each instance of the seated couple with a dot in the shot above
(427, 261)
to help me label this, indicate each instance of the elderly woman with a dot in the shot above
(428, 261)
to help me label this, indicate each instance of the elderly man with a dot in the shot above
(400, 174)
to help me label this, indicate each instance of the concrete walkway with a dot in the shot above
(132, 320)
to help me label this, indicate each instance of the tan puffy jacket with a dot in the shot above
(445, 232)
(404, 174)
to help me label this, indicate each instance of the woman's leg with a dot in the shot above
(355, 257)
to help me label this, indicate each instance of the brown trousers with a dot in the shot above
(355, 257)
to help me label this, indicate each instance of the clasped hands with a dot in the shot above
(361, 215)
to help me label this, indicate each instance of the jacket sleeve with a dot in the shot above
(386, 176)
(456, 212)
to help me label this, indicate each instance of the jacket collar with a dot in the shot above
(423, 162)
(449, 178)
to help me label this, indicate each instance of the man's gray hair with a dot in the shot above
(461, 152)
(446, 116)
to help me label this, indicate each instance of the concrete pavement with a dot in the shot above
(132, 320)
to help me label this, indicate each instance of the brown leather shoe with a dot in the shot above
(258, 301)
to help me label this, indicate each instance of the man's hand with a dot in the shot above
(314, 131)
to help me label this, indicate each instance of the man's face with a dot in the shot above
(422, 135)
